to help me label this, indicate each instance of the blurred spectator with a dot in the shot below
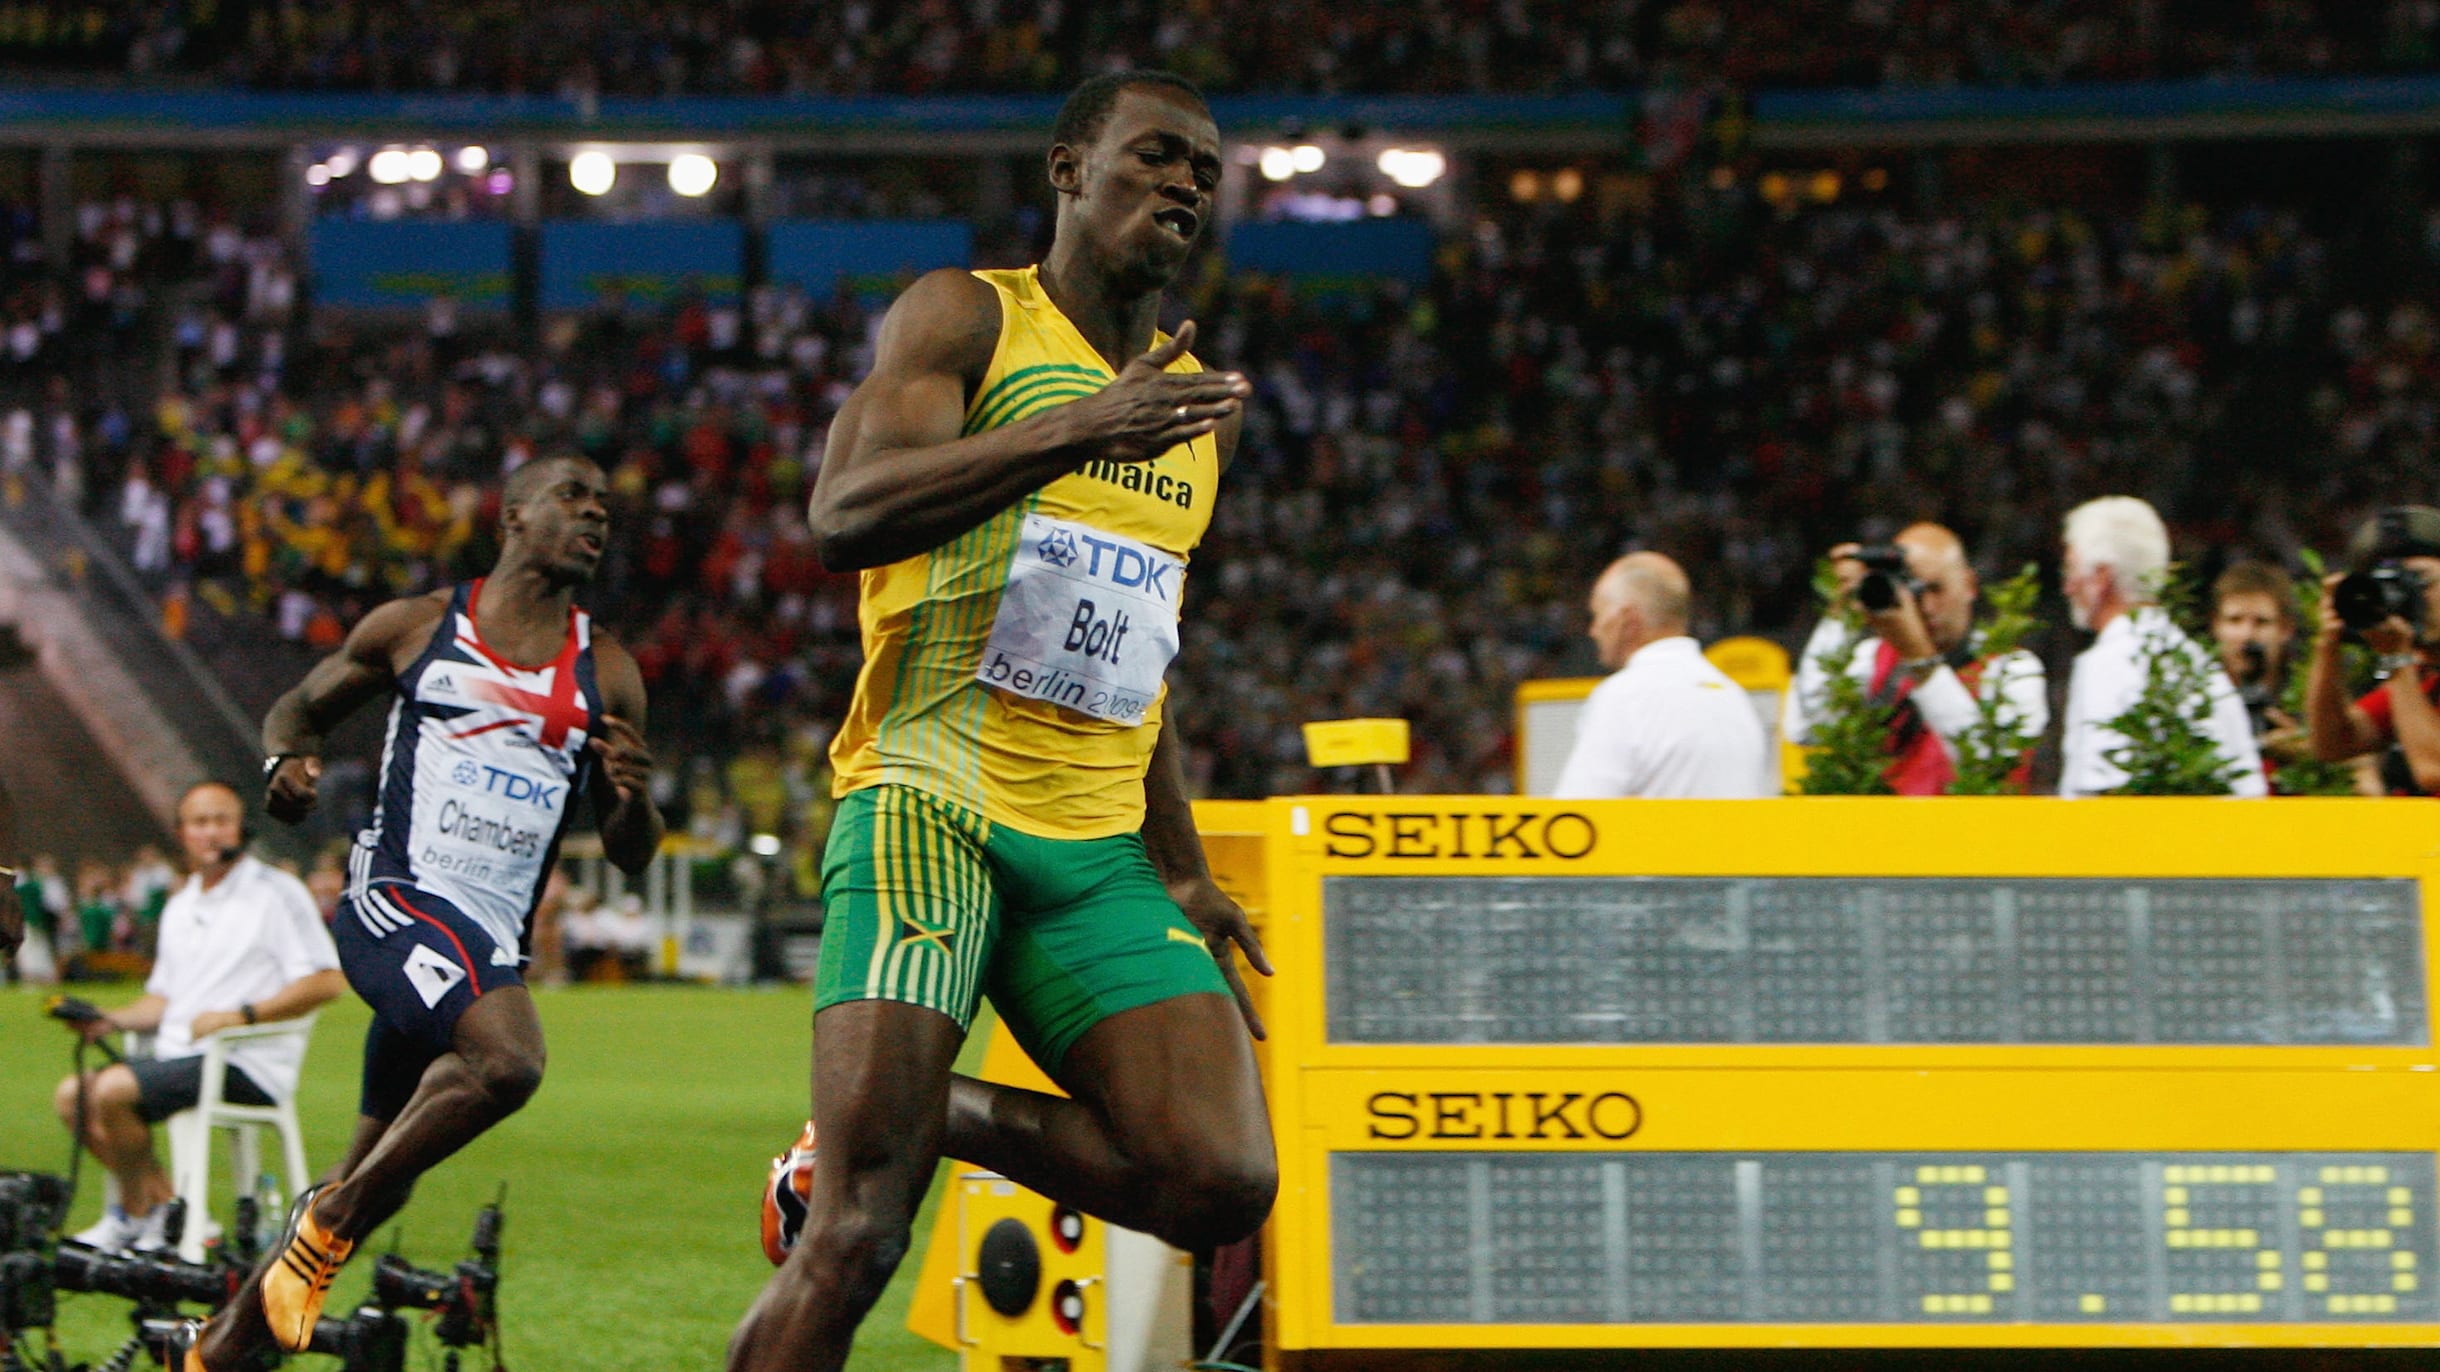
(326, 883)
(1709, 374)
(2253, 622)
(2116, 559)
(608, 942)
(1666, 722)
(585, 48)
(41, 901)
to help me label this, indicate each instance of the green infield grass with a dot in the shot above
(632, 1177)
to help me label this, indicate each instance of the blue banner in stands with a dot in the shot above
(401, 265)
(1323, 255)
(587, 264)
(873, 257)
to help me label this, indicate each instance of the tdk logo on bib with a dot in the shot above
(1089, 621)
(1130, 565)
(505, 784)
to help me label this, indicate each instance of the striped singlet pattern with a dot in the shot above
(919, 718)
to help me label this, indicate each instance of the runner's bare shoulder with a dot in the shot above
(398, 631)
(946, 324)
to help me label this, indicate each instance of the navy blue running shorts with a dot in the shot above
(419, 962)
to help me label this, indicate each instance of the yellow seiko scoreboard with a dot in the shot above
(1848, 1072)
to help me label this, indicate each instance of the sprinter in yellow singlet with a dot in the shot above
(1022, 481)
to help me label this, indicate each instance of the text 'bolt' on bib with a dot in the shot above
(1089, 621)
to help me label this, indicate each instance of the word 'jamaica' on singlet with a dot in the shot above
(1018, 670)
(479, 776)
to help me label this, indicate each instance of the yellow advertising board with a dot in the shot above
(1848, 1072)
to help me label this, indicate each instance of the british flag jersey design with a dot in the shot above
(479, 777)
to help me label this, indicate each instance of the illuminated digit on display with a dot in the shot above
(1994, 1235)
(2181, 1188)
(2358, 1188)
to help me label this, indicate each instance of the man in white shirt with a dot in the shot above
(1922, 657)
(1666, 722)
(241, 943)
(2117, 556)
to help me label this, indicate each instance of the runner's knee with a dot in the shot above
(858, 1248)
(508, 1076)
(1219, 1196)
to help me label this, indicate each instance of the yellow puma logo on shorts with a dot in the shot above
(1181, 936)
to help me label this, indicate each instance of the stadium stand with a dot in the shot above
(1743, 402)
(612, 47)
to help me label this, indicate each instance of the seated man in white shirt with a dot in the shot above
(241, 943)
(2117, 557)
(1923, 657)
(1666, 722)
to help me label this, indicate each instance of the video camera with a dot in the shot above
(34, 1269)
(31, 1204)
(1885, 571)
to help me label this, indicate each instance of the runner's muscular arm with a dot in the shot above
(623, 810)
(896, 478)
(365, 666)
(1176, 849)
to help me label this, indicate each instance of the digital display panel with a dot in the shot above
(1590, 960)
(1881, 1238)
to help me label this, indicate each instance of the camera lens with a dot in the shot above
(1878, 591)
(2365, 599)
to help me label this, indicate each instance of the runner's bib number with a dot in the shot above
(1089, 621)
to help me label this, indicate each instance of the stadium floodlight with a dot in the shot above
(1306, 157)
(1277, 164)
(764, 845)
(389, 166)
(317, 175)
(473, 158)
(692, 174)
(423, 164)
(1413, 168)
(592, 172)
(341, 162)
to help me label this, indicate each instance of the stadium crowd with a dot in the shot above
(1740, 387)
(617, 47)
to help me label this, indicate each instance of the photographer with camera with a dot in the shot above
(1918, 594)
(241, 943)
(2391, 600)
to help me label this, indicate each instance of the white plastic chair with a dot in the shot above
(190, 1131)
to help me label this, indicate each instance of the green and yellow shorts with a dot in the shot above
(932, 904)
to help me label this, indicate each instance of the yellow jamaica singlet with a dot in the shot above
(1017, 670)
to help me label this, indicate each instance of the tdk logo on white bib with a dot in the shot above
(433, 976)
(1089, 621)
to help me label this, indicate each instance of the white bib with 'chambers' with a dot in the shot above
(1089, 621)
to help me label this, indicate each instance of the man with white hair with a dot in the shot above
(2117, 555)
(1666, 722)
